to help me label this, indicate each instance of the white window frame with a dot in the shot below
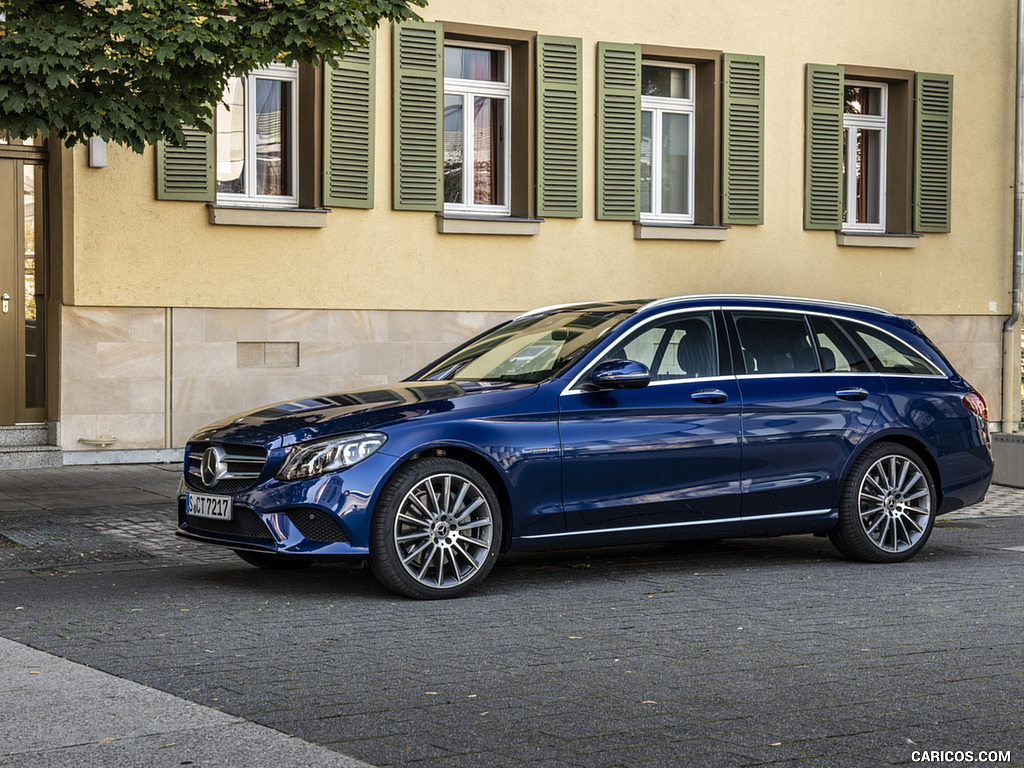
(469, 90)
(658, 106)
(852, 125)
(288, 74)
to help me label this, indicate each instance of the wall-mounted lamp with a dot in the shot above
(97, 152)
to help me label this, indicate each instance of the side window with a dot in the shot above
(838, 354)
(674, 348)
(887, 354)
(775, 343)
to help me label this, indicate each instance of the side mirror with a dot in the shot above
(619, 374)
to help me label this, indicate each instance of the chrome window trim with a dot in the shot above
(684, 524)
(832, 374)
(571, 389)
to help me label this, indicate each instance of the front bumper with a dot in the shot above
(323, 518)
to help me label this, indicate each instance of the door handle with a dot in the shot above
(709, 396)
(6, 303)
(852, 393)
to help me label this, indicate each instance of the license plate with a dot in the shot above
(202, 505)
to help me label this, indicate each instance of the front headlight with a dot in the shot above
(316, 458)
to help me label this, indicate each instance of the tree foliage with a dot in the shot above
(133, 71)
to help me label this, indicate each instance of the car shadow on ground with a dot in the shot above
(802, 556)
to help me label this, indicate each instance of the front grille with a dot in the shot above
(238, 466)
(317, 525)
(244, 522)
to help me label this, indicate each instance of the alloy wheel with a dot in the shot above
(443, 530)
(894, 503)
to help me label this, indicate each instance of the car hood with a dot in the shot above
(296, 421)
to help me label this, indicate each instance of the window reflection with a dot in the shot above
(272, 121)
(474, 64)
(35, 325)
(675, 163)
(231, 139)
(454, 151)
(488, 150)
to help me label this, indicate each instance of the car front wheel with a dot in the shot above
(887, 509)
(436, 531)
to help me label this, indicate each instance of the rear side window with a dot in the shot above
(775, 343)
(838, 353)
(887, 354)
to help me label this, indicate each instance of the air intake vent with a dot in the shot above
(316, 525)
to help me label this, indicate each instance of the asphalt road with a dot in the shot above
(747, 652)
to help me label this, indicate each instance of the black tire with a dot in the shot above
(436, 530)
(887, 508)
(271, 562)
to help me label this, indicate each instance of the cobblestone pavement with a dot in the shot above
(748, 652)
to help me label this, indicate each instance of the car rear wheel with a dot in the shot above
(887, 509)
(271, 562)
(436, 530)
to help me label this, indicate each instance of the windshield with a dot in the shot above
(531, 349)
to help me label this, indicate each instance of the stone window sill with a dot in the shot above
(644, 230)
(449, 224)
(315, 218)
(877, 240)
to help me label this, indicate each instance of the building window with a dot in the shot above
(877, 150)
(256, 139)
(666, 142)
(477, 116)
(865, 114)
(680, 139)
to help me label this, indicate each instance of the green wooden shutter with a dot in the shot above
(559, 126)
(418, 87)
(618, 132)
(823, 148)
(933, 148)
(186, 172)
(348, 130)
(743, 139)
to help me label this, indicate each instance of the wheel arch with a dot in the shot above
(492, 474)
(907, 441)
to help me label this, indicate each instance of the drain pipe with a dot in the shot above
(1011, 328)
(169, 373)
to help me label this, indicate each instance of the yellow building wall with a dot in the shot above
(130, 250)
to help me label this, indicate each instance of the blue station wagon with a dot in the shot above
(700, 417)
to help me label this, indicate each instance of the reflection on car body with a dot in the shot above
(596, 424)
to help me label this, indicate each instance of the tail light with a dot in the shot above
(975, 403)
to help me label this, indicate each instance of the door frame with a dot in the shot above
(20, 157)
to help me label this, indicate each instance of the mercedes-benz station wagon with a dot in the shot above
(700, 417)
